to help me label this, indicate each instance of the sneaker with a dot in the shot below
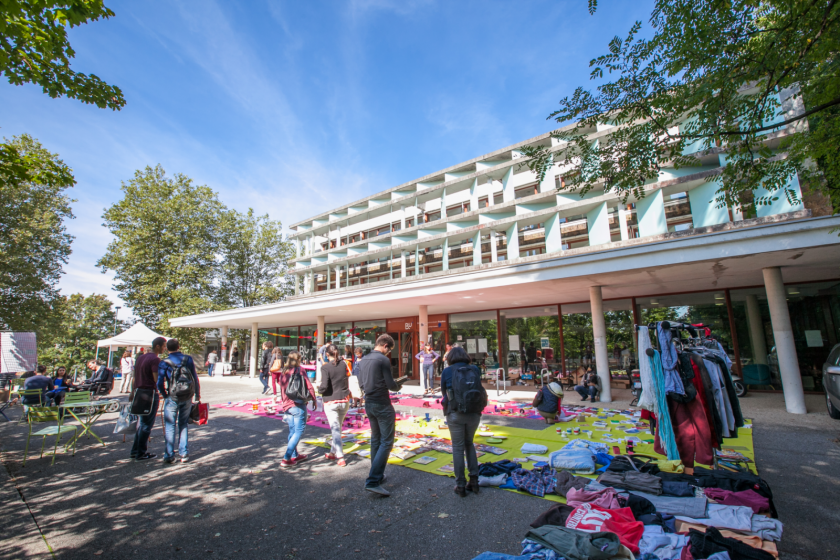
(185, 458)
(168, 460)
(145, 457)
(378, 490)
(301, 457)
(330, 456)
(341, 462)
(289, 463)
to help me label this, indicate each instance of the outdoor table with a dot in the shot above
(94, 410)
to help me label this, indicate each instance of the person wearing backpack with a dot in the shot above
(178, 383)
(295, 392)
(464, 399)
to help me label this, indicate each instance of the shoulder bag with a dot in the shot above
(142, 401)
(297, 390)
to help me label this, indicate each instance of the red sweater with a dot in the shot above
(282, 378)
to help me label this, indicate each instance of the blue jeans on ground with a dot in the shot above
(144, 429)
(174, 411)
(429, 375)
(590, 391)
(382, 419)
(295, 417)
(210, 369)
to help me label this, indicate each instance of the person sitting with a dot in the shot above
(590, 386)
(38, 381)
(548, 401)
(61, 384)
(102, 375)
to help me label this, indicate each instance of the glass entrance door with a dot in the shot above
(402, 356)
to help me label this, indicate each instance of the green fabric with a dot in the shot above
(577, 545)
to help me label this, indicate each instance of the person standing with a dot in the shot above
(178, 383)
(234, 359)
(336, 394)
(427, 359)
(146, 377)
(212, 358)
(294, 409)
(464, 399)
(376, 380)
(265, 364)
(127, 370)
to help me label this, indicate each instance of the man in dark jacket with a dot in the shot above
(376, 381)
(265, 365)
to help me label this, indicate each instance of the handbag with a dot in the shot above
(203, 413)
(297, 390)
(276, 366)
(142, 402)
(126, 423)
(194, 413)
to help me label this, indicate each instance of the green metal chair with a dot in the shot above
(78, 397)
(43, 414)
(22, 393)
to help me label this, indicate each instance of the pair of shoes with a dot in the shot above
(461, 491)
(330, 456)
(145, 457)
(289, 463)
(473, 486)
(378, 490)
(341, 462)
(301, 457)
(185, 458)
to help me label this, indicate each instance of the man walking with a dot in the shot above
(146, 377)
(212, 358)
(178, 383)
(376, 380)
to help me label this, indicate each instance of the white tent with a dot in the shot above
(137, 335)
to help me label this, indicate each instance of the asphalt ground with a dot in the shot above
(232, 500)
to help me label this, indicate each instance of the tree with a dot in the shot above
(34, 242)
(34, 48)
(166, 237)
(78, 322)
(254, 261)
(711, 76)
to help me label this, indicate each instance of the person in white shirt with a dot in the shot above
(127, 370)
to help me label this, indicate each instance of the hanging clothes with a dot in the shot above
(691, 432)
(721, 399)
(647, 400)
(705, 392)
(665, 430)
(668, 356)
(726, 373)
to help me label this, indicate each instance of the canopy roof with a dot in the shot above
(137, 335)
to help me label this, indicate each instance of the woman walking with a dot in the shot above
(458, 383)
(294, 410)
(127, 370)
(335, 391)
(265, 364)
(427, 361)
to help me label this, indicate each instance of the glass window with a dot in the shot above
(621, 339)
(577, 338)
(340, 335)
(530, 341)
(308, 342)
(286, 339)
(365, 334)
(476, 333)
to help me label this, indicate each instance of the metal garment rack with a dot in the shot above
(500, 374)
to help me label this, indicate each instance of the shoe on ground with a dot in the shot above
(287, 464)
(378, 490)
(472, 485)
(330, 456)
(132, 457)
(584, 399)
(185, 458)
(169, 460)
(461, 491)
(300, 458)
(145, 457)
(341, 462)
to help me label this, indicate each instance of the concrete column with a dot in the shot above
(416, 260)
(553, 235)
(442, 203)
(494, 252)
(512, 237)
(477, 248)
(547, 184)
(329, 277)
(255, 344)
(599, 333)
(650, 213)
(319, 343)
(296, 280)
(445, 254)
(599, 225)
(403, 261)
(224, 344)
(756, 327)
(623, 215)
(507, 186)
(474, 195)
(402, 218)
(783, 335)
(424, 336)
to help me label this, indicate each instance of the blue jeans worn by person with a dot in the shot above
(429, 375)
(210, 369)
(295, 417)
(144, 429)
(462, 429)
(265, 375)
(587, 391)
(174, 411)
(382, 420)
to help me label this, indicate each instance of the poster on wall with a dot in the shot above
(544, 343)
(513, 342)
(814, 339)
(18, 351)
(482, 345)
(470, 346)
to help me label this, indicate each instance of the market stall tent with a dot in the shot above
(139, 335)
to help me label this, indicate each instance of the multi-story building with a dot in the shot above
(526, 275)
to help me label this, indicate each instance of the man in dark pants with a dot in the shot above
(145, 377)
(376, 381)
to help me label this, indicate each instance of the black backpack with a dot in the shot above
(182, 382)
(297, 390)
(468, 395)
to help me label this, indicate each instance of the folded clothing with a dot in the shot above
(725, 480)
(555, 515)
(737, 518)
(767, 528)
(534, 449)
(749, 498)
(678, 489)
(579, 545)
(605, 497)
(538, 481)
(593, 446)
(632, 480)
(589, 518)
(753, 540)
(689, 507)
(637, 504)
(566, 481)
(576, 460)
(505, 466)
(705, 544)
(662, 545)
(497, 480)
(667, 522)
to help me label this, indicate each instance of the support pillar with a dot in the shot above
(477, 248)
(783, 336)
(424, 337)
(255, 344)
(599, 334)
(319, 343)
(494, 251)
(512, 236)
(445, 256)
(623, 215)
(223, 353)
(756, 326)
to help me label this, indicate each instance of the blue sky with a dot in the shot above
(293, 108)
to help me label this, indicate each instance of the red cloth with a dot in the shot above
(591, 519)
(203, 413)
(748, 498)
(692, 432)
(701, 394)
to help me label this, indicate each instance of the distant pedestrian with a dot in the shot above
(127, 370)
(376, 380)
(265, 364)
(427, 359)
(464, 399)
(234, 359)
(146, 377)
(178, 383)
(336, 394)
(293, 405)
(212, 358)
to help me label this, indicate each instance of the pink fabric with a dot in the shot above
(606, 497)
(748, 498)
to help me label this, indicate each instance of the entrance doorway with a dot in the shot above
(404, 333)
